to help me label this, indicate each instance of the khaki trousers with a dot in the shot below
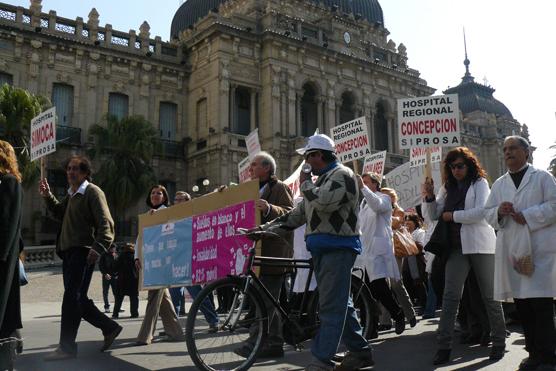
(159, 301)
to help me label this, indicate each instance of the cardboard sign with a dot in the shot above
(407, 181)
(167, 254)
(429, 121)
(217, 251)
(418, 156)
(43, 134)
(200, 229)
(375, 163)
(252, 142)
(351, 140)
(243, 170)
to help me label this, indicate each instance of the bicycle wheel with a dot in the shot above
(211, 347)
(362, 302)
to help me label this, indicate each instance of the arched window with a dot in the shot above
(62, 99)
(347, 109)
(118, 105)
(309, 109)
(168, 120)
(6, 78)
(381, 127)
(242, 122)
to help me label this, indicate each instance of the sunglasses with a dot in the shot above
(459, 166)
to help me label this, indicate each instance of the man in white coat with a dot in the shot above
(522, 207)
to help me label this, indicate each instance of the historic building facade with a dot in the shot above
(286, 67)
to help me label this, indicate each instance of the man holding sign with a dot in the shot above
(329, 208)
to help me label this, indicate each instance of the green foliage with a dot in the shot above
(17, 108)
(125, 148)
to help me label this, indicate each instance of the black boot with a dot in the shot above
(442, 357)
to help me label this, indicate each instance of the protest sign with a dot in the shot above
(293, 181)
(418, 156)
(375, 163)
(253, 145)
(217, 251)
(243, 170)
(429, 121)
(43, 134)
(203, 231)
(351, 140)
(167, 254)
(407, 180)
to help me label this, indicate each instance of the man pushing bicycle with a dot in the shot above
(329, 208)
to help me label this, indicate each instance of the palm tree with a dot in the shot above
(125, 148)
(17, 108)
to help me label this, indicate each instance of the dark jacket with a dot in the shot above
(11, 196)
(280, 198)
(106, 263)
(127, 283)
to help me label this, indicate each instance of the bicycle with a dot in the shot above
(247, 318)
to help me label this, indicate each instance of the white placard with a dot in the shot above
(43, 134)
(418, 156)
(407, 180)
(429, 121)
(375, 163)
(243, 170)
(351, 140)
(293, 181)
(252, 142)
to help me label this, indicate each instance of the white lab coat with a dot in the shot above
(477, 237)
(300, 252)
(375, 222)
(536, 199)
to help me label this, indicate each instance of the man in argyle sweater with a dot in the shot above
(330, 208)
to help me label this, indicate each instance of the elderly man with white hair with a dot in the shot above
(522, 207)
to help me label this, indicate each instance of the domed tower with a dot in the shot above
(286, 68)
(486, 121)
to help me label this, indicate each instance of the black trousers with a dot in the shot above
(382, 292)
(133, 303)
(76, 304)
(106, 285)
(537, 318)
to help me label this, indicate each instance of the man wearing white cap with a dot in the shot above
(329, 208)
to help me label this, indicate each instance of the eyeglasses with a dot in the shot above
(459, 166)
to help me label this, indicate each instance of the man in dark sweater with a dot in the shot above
(87, 231)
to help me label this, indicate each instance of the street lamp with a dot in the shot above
(205, 183)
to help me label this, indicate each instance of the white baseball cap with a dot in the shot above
(316, 142)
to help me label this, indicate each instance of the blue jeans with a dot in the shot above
(338, 319)
(178, 299)
(206, 307)
(430, 306)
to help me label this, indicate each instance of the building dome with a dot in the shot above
(477, 97)
(192, 10)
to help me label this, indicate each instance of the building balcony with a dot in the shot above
(170, 149)
(68, 135)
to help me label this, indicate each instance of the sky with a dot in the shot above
(511, 46)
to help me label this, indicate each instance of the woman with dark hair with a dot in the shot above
(158, 301)
(11, 196)
(460, 202)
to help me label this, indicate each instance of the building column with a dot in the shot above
(299, 97)
(232, 111)
(320, 114)
(253, 109)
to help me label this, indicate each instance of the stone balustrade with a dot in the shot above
(88, 32)
(41, 256)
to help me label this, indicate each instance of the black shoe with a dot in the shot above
(109, 339)
(442, 357)
(497, 352)
(400, 325)
(413, 322)
(135, 315)
(271, 351)
(529, 364)
(385, 327)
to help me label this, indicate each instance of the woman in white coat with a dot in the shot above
(377, 257)
(460, 203)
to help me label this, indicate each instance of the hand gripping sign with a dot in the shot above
(429, 121)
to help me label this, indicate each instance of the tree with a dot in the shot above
(125, 148)
(17, 108)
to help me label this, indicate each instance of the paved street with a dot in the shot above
(41, 308)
